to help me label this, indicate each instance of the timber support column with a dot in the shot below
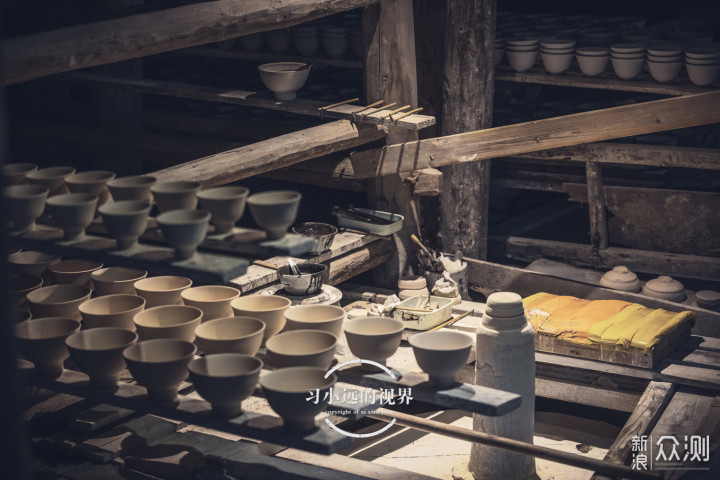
(390, 75)
(468, 90)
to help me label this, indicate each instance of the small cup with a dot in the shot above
(225, 204)
(73, 212)
(98, 353)
(269, 309)
(328, 318)
(213, 300)
(184, 230)
(441, 354)
(25, 204)
(42, 341)
(160, 366)
(132, 188)
(58, 301)
(310, 348)
(168, 321)
(230, 335)
(125, 220)
(116, 280)
(73, 272)
(179, 195)
(225, 380)
(164, 290)
(52, 177)
(15, 173)
(112, 311)
(373, 338)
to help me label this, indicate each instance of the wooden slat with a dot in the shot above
(596, 205)
(267, 56)
(72, 48)
(595, 396)
(263, 99)
(598, 125)
(702, 377)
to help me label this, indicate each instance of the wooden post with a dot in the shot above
(596, 205)
(390, 75)
(469, 86)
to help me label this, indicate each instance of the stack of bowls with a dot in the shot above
(557, 54)
(592, 60)
(306, 40)
(335, 41)
(703, 64)
(522, 51)
(278, 41)
(664, 62)
(628, 60)
(499, 52)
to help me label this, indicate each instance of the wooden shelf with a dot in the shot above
(607, 81)
(271, 57)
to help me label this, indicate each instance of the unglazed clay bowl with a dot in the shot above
(93, 182)
(35, 263)
(168, 321)
(373, 338)
(21, 284)
(73, 272)
(116, 280)
(702, 75)
(274, 211)
(628, 68)
(225, 380)
(441, 354)
(52, 177)
(14, 173)
(269, 309)
(521, 61)
(165, 290)
(322, 233)
(336, 46)
(328, 318)
(125, 220)
(213, 300)
(112, 311)
(592, 65)
(556, 63)
(25, 204)
(664, 72)
(287, 391)
(307, 348)
(160, 366)
(98, 353)
(42, 341)
(179, 195)
(308, 282)
(284, 79)
(58, 301)
(225, 204)
(230, 335)
(73, 212)
(184, 230)
(132, 188)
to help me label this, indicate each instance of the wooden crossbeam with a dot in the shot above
(576, 129)
(37, 55)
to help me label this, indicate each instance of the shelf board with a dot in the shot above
(270, 57)
(607, 81)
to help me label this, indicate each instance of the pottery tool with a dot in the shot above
(427, 258)
(385, 115)
(384, 107)
(406, 114)
(327, 107)
(293, 266)
(450, 322)
(365, 217)
(367, 107)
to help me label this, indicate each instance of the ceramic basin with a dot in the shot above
(179, 195)
(116, 280)
(125, 220)
(184, 230)
(284, 79)
(73, 212)
(132, 188)
(58, 301)
(225, 204)
(373, 338)
(310, 348)
(73, 272)
(328, 318)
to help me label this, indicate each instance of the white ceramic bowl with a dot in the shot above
(556, 63)
(702, 75)
(664, 72)
(284, 79)
(522, 61)
(628, 68)
(592, 65)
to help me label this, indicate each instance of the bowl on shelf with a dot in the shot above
(58, 301)
(702, 75)
(230, 335)
(225, 204)
(278, 41)
(521, 61)
(284, 79)
(42, 341)
(20, 285)
(225, 380)
(269, 309)
(51, 177)
(164, 290)
(98, 352)
(592, 60)
(556, 63)
(323, 235)
(73, 272)
(30, 261)
(335, 43)
(184, 230)
(628, 68)
(308, 348)
(274, 211)
(664, 72)
(373, 338)
(178, 195)
(25, 204)
(441, 354)
(328, 318)
(73, 213)
(213, 300)
(168, 321)
(664, 50)
(14, 173)
(160, 366)
(116, 280)
(93, 182)
(125, 221)
(111, 311)
(305, 39)
(132, 188)
(308, 282)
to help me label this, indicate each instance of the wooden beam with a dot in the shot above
(91, 44)
(359, 261)
(567, 130)
(262, 157)
(264, 99)
(596, 205)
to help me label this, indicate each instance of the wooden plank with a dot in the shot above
(263, 99)
(596, 205)
(362, 260)
(607, 81)
(702, 377)
(267, 56)
(91, 44)
(97, 417)
(575, 129)
(596, 396)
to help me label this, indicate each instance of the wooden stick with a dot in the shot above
(450, 322)
(384, 106)
(406, 114)
(267, 264)
(339, 103)
(433, 426)
(408, 309)
(385, 115)
(374, 104)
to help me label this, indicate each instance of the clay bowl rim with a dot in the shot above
(448, 333)
(276, 298)
(139, 346)
(19, 276)
(72, 200)
(192, 366)
(188, 284)
(90, 177)
(95, 275)
(176, 186)
(132, 181)
(18, 168)
(298, 229)
(330, 380)
(43, 191)
(48, 320)
(25, 253)
(286, 271)
(305, 331)
(263, 199)
(183, 217)
(99, 331)
(203, 326)
(50, 173)
(98, 300)
(274, 67)
(139, 318)
(96, 266)
(299, 308)
(240, 193)
(66, 286)
(141, 207)
(184, 294)
(397, 322)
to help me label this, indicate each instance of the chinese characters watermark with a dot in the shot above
(668, 453)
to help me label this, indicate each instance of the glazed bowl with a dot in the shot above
(125, 221)
(112, 311)
(702, 75)
(32, 262)
(556, 63)
(73, 212)
(116, 280)
(274, 211)
(184, 230)
(165, 290)
(521, 61)
(373, 338)
(93, 182)
(322, 234)
(213, 300)
(168, 321)
(132, 188)
(441, 354)
(25, 204)
(269, 309)
(225, 380)
(230, 335)
(287, 391)
(42, 341)
(225, 204)
(308, 282)
(160, 366)
(98, 353)
(284, 79)
(664, 72)
(58, 301)
(307, 348)
(178, 195)
(53, 178)
(592, 65)
(328, 318)
(14, 173)
(20, 285)
(628, 68)
(73, 272)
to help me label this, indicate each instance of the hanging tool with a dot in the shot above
(406, 114)
(427, 258)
